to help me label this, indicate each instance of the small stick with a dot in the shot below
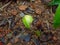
(47, 24)
(5, 5)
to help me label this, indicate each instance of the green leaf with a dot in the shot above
(56, 21)
(27, 20)
(38, 33)
(54, 2)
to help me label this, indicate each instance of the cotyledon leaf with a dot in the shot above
(27, 20)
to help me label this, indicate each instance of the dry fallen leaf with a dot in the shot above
(14, 12)
(38, 11)
(23, 7)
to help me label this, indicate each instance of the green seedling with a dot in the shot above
(54, 2)
(38, 33)
(57, 17)
(27, 20)
(56, 21)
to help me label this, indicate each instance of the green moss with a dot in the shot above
(38, 33)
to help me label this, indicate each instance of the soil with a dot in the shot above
(13, 31)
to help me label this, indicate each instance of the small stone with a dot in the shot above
(25, 37)
(22, 14)
(9, 44)
(14, 12)
(38, 11)
(23, 7)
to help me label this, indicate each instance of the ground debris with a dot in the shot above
(23, 7)
(13, 31)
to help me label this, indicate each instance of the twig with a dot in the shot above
(47, 24)
(5, 5)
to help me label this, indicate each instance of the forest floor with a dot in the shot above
(13, 31)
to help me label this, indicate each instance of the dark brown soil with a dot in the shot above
(13, 31)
